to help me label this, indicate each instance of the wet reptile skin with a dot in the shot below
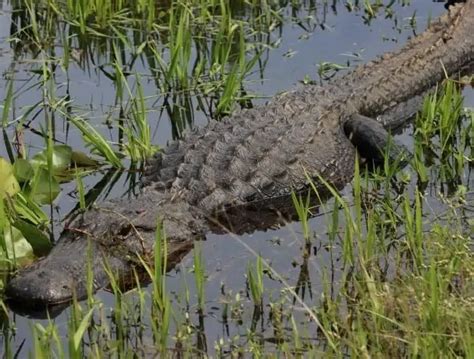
(250, 161)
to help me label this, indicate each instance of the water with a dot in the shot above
(333, 36)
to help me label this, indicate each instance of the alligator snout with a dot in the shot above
(38, 287)
(58, 277)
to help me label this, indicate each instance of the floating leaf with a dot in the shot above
(44, 188)
(16, 245)
(62, 155)
(23, 170)
(38, 240)
(8, 183)
(80, 159)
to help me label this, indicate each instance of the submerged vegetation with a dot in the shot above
(390, 274)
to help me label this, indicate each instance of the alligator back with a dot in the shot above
(255, 155)
(266, 152)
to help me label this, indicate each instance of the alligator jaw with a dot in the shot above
(56, 278)
(103, 242)
(42, 289)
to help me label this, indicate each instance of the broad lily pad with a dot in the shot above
(44, 188)
(61, 160)
(80, 159)
(16, 245)
(8, 183)
(38, 240)
(23, 170)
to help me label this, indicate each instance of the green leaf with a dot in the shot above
(29, 210)
(44, 188)
(62, 155)
(16, 244)
(80, 159)
(38, 240)
(82, 328)
(23, 170)
(98, 142)
(8, 183)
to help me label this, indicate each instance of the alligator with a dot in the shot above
(244, 168)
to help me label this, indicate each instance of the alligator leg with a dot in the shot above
(452, 2)
(373, 142)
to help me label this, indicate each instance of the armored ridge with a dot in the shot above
(250, 161)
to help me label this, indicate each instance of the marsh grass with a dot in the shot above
(442, 139)
(199, 277)
(302, 207)
(255, 282)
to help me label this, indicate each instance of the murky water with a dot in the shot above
(335, 36)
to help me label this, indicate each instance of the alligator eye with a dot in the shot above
(124, 231)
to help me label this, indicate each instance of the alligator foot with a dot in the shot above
(449, 3)
(373, 142)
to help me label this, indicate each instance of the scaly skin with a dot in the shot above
(245, 165)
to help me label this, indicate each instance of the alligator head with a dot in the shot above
(111, 241)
